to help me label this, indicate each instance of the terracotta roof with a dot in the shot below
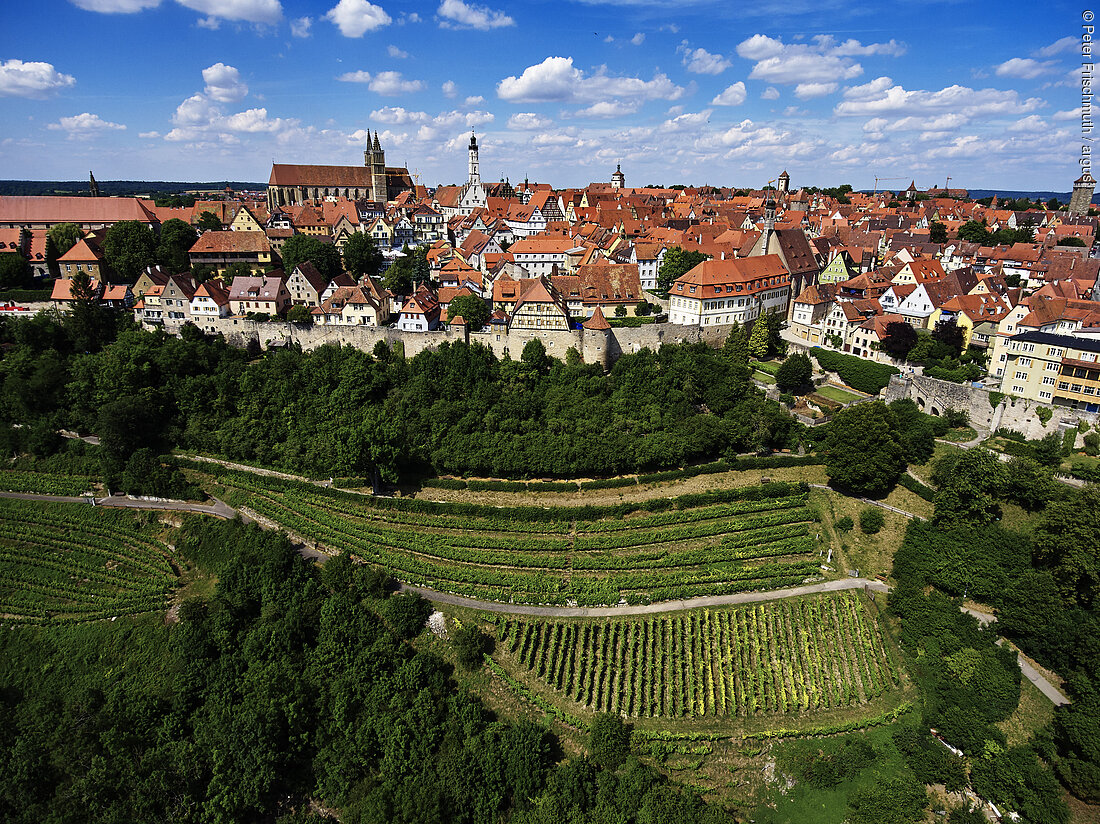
(81, 252)
(215, 242)
(597, 322)
(56, 209)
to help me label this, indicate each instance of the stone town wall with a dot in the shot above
(935, 396)
(594, 347)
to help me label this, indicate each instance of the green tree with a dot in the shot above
(324, 256)
(1072, 241)
(974, 232)
(534, 355)
(871, 520)
(471, 645)
(407, 614)
(643, 309)
(898, 799)
(676, 263)
(60, 238)
(15, 272)
(209, 222)
(473, 309)
(736, 347)
(89, 323)
(609, 740)
(969, 482)
(236, 270)
(795, 373)
(1067, 538)
(362, 257)
(299, 314)
(758, 341)
(128, 248)
(937, 232)
(863, 449)
(176, 239)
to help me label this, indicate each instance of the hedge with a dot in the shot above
(915, 486)
(26, 295)
(445, 483)
(862, 375)
(609, 483)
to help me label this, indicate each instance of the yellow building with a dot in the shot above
(1054, 369)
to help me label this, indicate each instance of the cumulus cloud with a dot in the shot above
(733, 95)
(355, 18)
(84, 125)
(301, 26)
(770, 93)
(457, 14)
(474, 100)
(397, 53)
(1063, 44)
(700, 61)
(450, 88)
(148, 135)
(1031, 123)
(1069, 114)
(116, 6)
(638, 39)
(209, 23)
(250, 11)
(822, 61)
(609, 108)
(557, 79)
(529, 121)
(1024, 68)
(808, 91)
(224, 84)
(881, 96)
(399, 116)
(31, 79)
(384, 83)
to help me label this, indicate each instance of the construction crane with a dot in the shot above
(877, 179)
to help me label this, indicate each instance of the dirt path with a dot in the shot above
(902, 512)
(646, 609)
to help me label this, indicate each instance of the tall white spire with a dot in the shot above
(475, 172)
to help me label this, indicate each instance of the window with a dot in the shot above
(1048, 381)
(1025, 361)
(1045, 396)
(1021, 376)
(1051, 367)
(1076, 387)
(1018, 390)
(1090, 390)
(1063, 384)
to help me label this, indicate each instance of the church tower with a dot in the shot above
(1081, 200)
(475, 172)
(618, 179)
(377, 170)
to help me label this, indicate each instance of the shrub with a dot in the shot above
(1092, 444)
(871, 520)
(863, 375)
(609, 740)
(1044, 414)
(471, 645)
(845, 523)
(407, 614)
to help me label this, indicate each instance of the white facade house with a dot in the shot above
(737, 290)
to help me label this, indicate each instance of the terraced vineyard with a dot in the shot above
(78, 563)
(788, 656)
(46, 483)
(707, 544)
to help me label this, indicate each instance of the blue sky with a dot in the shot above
(557, 90)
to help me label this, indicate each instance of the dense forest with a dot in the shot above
(339, 411)
(292, 685)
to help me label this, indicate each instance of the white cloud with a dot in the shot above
(355, 77)
(116, 6)
(392, 83)
(822, 61)
(770, 93)
(691, 121)
(881, 97)
(250, 11)
(968, 146)
(1024, 68)
(399, 116)
(149, 135)
(529, 121)
(733, 95)
(609, 39)
(1069, 114)
(301, 26)
(1031, 123)
(638, 39)
(457, 14)
(608, 108)
(355, 18)
(223, 83)
(450, 88)
(37, 80)
(209, 23)
(474, 100)
(556, 79)
(808, 91)
(83, 125)
(253, 120)
(1064, 44)
(700, 61)
(397, 53)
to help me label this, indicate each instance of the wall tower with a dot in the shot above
(1081, 200)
